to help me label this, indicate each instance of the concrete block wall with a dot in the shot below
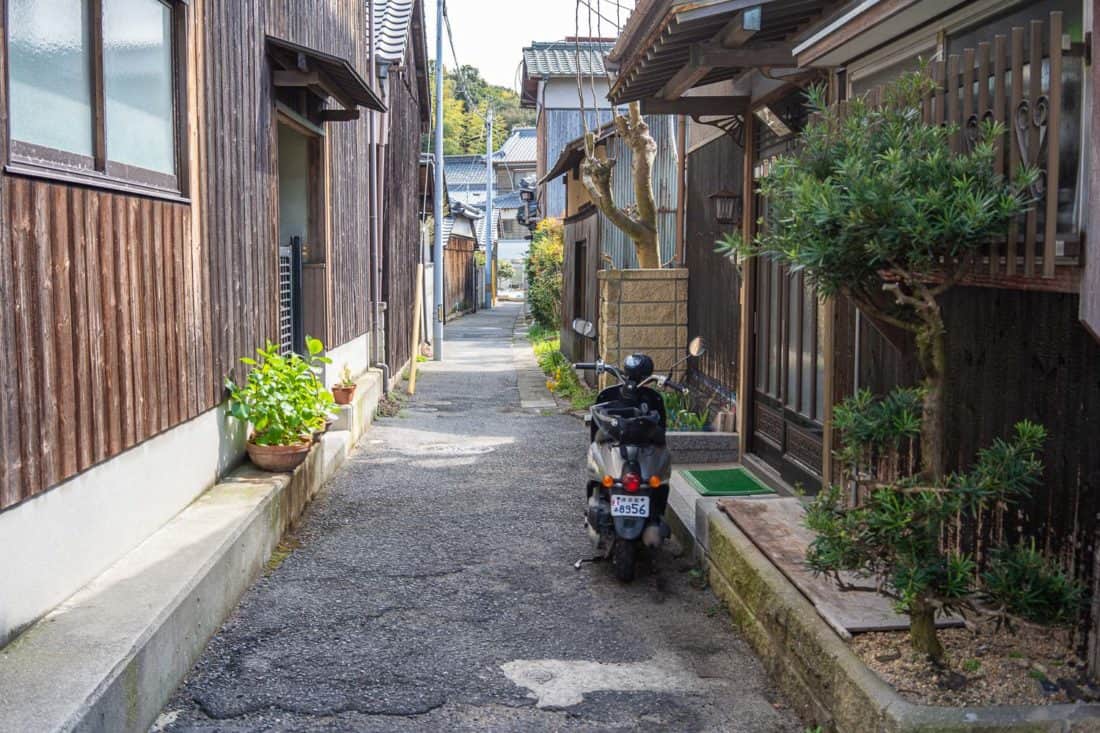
(644, 310)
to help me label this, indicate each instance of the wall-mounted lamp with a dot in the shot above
(727, 207)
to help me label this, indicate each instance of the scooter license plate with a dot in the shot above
(623, 505)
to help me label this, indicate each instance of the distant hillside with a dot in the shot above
(465, 100)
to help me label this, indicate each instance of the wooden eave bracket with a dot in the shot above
(697, 106)
(712, 55)
(318, 83)
(734, 35)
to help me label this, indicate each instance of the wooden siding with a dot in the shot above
(584, 229)
(122, 314)
(101, 323)
(459, 285)
(714, 310)
(401, 217)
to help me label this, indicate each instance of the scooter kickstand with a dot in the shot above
(587, 560)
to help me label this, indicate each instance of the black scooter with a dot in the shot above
(629, 464)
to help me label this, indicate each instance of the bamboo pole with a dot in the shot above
(418, 304)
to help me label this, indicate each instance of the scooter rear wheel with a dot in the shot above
(624, 558)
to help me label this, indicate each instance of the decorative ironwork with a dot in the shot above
(1029, 119)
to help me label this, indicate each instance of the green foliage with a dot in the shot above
(683, 414)
(561, 378)
(505, 270)
(895, 535)
(1026, 584)
(874, 429)
(878, 190)
(464, 118)
(544, 273)
(282, 397)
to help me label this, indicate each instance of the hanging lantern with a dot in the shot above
(727, 207)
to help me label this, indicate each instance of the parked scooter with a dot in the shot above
(629, 464)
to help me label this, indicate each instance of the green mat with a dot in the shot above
(726, 482)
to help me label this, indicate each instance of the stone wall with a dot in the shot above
(646, 311)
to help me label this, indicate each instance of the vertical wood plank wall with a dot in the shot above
(714, 310)
(401, 216)
(118, 323)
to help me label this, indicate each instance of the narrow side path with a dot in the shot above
(433, 589)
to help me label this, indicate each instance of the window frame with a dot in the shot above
(98, 171)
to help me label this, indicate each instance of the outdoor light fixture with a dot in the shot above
(727, 207)
(526, 194)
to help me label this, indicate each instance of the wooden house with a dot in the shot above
(1021, 328)
(182, 182)
(462, 277)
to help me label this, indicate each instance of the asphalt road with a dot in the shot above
(433, 589)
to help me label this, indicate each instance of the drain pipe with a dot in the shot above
(379, 79)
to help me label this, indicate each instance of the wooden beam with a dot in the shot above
(735, 33)
(766, 54)
(697, 106)
(338, 115)
(296, 79)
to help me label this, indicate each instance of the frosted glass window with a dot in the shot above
(137, 75)
(49, 50)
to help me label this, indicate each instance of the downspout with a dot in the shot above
(681, 191)
(376, 356)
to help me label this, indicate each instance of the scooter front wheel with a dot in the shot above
(624, 558)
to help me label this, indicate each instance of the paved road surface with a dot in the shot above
(433, 590)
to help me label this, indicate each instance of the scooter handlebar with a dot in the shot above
(586, 365)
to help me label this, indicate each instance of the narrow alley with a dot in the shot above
(433, 588)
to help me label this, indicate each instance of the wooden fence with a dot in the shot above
(995, 82)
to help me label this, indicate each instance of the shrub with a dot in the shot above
(282, 397)
(544, 273)
(1024, 583)
(895, 535)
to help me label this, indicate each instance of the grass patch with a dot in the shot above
(281, 553)
(561, 378)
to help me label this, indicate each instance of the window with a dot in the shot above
(94, 91)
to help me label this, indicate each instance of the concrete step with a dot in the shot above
(109, 658)
(703, 448)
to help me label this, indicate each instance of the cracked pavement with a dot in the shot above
(434, 589)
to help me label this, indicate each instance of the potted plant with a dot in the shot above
(285, 403)
(344, 390)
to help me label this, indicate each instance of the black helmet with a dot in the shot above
(638, 367)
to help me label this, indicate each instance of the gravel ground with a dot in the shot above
(431, 587)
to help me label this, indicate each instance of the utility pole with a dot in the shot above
(437, 266)
(489, 209)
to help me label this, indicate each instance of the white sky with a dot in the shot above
(491, 34)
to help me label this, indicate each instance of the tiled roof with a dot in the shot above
(520, 147)
(560, 58)
(392, 19)
(507, 201)
(464, 170)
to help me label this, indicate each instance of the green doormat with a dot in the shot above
(726, 482)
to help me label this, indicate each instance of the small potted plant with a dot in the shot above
(344, 390)
(285, 403)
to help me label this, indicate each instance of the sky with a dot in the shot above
(491, 34)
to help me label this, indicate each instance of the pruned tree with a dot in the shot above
(639, 222)
(877, 206)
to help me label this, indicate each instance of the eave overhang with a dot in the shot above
(324, 74)
(671, 46)
(573, 153)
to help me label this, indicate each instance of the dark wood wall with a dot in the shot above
(579, 283)
(121, 314)
(714, 285)
(401, 214)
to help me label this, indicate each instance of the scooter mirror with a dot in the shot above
(584, 328)
(697, 347)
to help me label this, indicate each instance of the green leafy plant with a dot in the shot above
(345, 377)
(879, 435)
(561, 378)
(876, 205)
(282, 397)
(894, 536)
(1026, 584)
(683, 415)
(544, 273)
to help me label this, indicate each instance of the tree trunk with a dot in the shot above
(922, 630)
(640, 221)
(932, 354)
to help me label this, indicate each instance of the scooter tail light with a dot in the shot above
(632, 482)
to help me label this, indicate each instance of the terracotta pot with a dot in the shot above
(278, 458)
(343, 395)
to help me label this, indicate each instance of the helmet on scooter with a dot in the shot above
(638, 367)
